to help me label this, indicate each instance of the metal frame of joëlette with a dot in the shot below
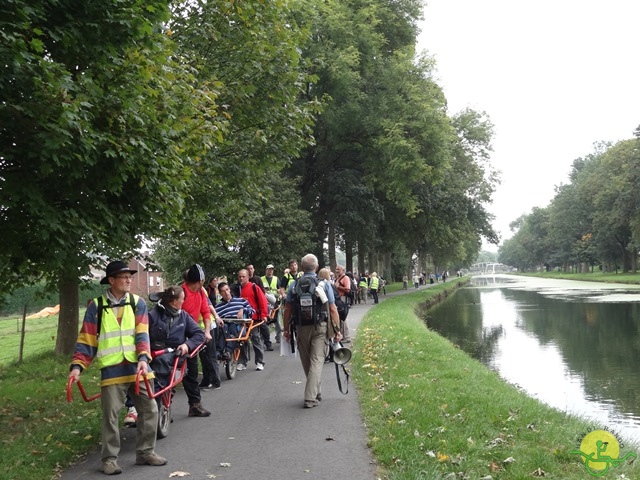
(245, 332)
(172, 383)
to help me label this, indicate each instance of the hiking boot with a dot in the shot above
(150, 459)
(131, 418)
(197, 410)
(110, 466)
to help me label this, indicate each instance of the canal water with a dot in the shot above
(573, 345)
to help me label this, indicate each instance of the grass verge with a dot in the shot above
(41, 432)
(630, 278)
(432, 412)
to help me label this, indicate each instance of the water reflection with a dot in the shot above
(556, 340)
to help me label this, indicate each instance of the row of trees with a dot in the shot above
(224, 132)
(592, 220)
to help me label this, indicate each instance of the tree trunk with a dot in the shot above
(331, 242)
(68, 320)
(361, 258)
(386, 266)
(348, 247)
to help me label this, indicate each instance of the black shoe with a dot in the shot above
(197, 410)
(269, 348)
(204, 384)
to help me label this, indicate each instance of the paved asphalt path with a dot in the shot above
(258, 429)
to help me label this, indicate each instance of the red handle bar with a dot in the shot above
(82, 392)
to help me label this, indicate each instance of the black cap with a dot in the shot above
(195, 274)
(114, 268)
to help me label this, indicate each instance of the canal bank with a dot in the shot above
(433, 412)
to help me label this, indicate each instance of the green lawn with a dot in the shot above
(40, 337)
(596, 276)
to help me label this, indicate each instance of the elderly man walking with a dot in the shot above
(313, 330)
(115, 333)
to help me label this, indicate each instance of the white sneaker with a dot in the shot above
(131, 418)
(240, 366)
(260, 366)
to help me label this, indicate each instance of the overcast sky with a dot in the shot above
(555, 76)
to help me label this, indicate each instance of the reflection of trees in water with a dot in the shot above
(600, 342)
(484, 349)
(459, 319)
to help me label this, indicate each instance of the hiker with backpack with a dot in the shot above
(120, 346)
(264, 328)
(258, 301)
(343, 284)
(311, 317)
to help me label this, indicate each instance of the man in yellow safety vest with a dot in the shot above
(115, 333)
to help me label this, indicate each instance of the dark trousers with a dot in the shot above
(210, 366)
(190, 381)
(374, 293)
(265, 333)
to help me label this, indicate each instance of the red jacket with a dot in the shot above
(256, 298)
(196, 303)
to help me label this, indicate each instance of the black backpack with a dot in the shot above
(353, 291)
(307, 307)
(343, 308)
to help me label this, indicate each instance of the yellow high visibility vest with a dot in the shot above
(117, 340)
(374, 283)
(269, 287)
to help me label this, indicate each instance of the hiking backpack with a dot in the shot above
(341, 306)
(307, 307)
(354, 289)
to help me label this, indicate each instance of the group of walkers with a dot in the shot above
(421, 279)
(118, 334)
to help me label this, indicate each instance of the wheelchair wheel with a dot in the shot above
(230, 367)
(164, 418)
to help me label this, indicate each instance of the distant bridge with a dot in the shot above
(490, 267)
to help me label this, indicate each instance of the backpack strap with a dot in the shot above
(255, 295)
(102, 307)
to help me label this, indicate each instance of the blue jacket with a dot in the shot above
(166, 331)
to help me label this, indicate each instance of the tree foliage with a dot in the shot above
(592, 220)
(228, 132)
(97, 129)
